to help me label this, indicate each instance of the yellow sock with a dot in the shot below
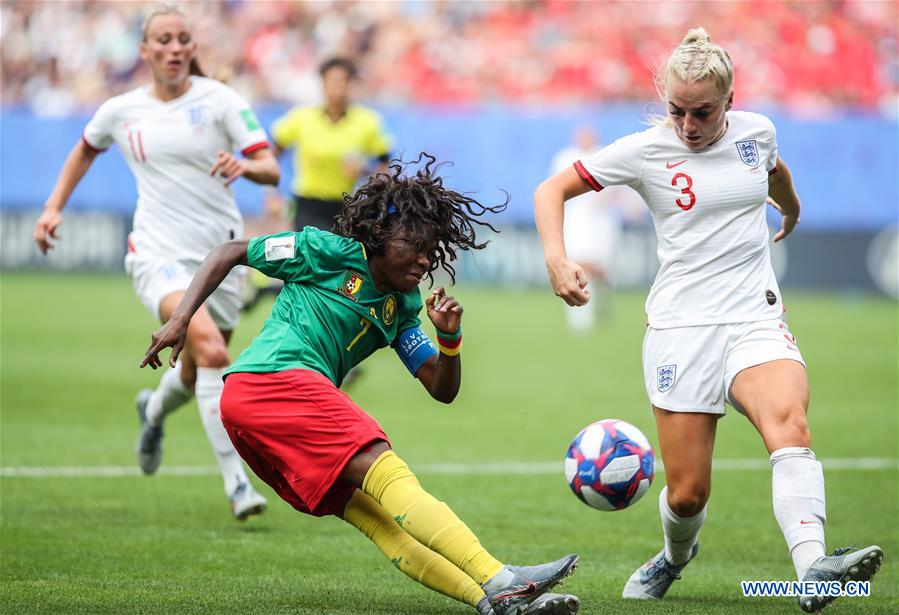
(411, 557)
(431, 522)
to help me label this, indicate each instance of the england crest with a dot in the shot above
(198, 116)
(749, 152)
(666, 375)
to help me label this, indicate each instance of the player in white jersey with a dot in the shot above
(592, 231)
(715, 331)
(177, 135)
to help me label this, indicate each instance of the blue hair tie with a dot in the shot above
(391, 209)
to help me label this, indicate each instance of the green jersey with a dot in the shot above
(329, 316)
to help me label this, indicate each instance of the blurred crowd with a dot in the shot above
(808, 56)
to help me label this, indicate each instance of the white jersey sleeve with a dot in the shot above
(98, 134)
(241, 124)
(614, 165)
(769, 144)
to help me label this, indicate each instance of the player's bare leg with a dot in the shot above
(176, 388)
(682, 503)
(775, 397)
(205, 358)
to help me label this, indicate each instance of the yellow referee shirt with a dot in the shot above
(323, 147)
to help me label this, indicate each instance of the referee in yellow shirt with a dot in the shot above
(333, 145)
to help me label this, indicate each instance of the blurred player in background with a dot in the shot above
(592, 230)
(176, 135)
(347, 295)
(715, 311)
(334, 145)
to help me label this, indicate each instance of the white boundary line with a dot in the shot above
(488, 468)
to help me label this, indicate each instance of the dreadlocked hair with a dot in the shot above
(418, 202)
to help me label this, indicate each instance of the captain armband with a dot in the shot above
(414, 347)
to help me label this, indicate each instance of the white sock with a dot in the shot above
(797, 489)
(209, 392)
(170, 395)
(680, 532)
(581, 318)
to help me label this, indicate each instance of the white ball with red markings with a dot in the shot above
(609, 465)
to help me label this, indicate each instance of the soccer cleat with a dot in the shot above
(246, 502)
(554, 604)
(484, 607)
(149, 440)
(652, 579)
(839, 566)
(513, 588)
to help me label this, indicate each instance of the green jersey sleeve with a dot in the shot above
(409, 310)
(283, 255)
(307, 256)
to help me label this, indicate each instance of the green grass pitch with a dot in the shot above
(69, 351)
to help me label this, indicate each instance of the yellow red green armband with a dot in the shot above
(450, 344)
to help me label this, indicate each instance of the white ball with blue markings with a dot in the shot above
(609, 465)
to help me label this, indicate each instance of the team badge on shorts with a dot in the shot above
(352, 283)
(389, 310)
(666, 375)
(749, 152)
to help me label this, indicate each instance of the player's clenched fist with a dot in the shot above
(444, 311)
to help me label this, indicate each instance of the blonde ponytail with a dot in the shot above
(696, 58)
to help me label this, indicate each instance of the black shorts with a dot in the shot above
(314, 212)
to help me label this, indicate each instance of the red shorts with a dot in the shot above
(297, 431)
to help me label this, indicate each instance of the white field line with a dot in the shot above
(851, 464)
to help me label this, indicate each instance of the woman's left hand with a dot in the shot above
(444, 311)
(229, 166)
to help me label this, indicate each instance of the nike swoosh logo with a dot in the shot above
(668, 165)
(807, 522)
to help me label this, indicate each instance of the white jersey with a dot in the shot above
(182, 212)
(708, 208)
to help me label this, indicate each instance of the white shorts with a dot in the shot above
(691, 369)
(154, 279)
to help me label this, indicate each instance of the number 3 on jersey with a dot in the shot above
(685, 190)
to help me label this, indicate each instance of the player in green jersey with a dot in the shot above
(347, 294)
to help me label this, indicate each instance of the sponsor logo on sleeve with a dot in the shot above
(666, 376)
(279, 248)
(250, 120)
(749, 152)
(351, 285)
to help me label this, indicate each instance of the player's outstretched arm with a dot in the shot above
(76, 165)
(441, 375)
(214, 269)
(568, 279)
(784, 199)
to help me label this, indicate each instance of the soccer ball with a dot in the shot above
(609, 465)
